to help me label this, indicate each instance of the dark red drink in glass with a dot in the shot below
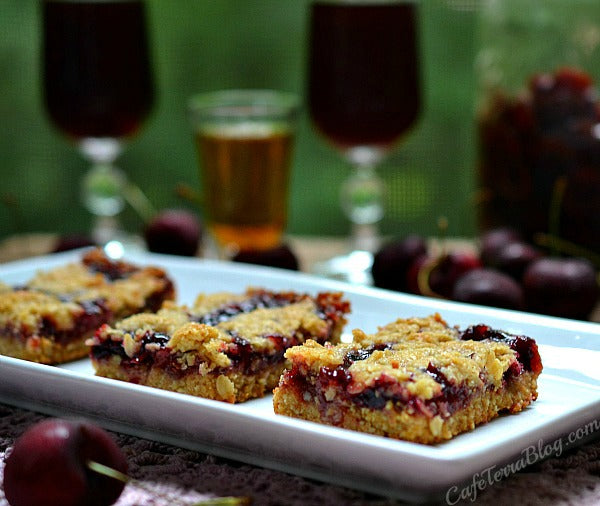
(363, 85)
(96, 64)
(363, 95)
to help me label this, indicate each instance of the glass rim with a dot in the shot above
(92, 1)
(365, 2)
(243, 102)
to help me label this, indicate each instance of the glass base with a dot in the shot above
(115, 241)
(355, 267)
(123, 245)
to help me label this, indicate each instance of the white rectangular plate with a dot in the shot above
(566, 413)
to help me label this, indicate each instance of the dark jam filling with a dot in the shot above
(95, 313)
(114, 270)
(260, 300)
(330, 307)
(452, 398)
(386, 389)
(111, 269)
(525, 347)
(250, 361)
(243, 356)
(155, 300)
(364, 353)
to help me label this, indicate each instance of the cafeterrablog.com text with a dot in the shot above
(528, 456)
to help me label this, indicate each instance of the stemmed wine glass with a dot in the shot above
(363, 95)
(98, 90)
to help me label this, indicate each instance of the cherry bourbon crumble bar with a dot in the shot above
(228, 347)
(414, 379)
(49, 318)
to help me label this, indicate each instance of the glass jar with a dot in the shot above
(538, 120)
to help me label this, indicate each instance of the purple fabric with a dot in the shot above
(167, 475)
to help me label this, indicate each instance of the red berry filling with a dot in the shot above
(114, 270)
(93, 314)
(244, 357)
(525, 347)
(385, 389)
(453, 396)
(111, 269)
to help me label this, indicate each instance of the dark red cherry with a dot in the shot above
(174, 232)
(417, 277)
(449, 268)
(281, 256)
(566, 287)
(493, 241)
(48, 465)
(488, 287)
(573, 80)
(73, 241)
(514, 257)
(392, 262)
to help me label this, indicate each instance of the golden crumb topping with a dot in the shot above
(126, 295)
(69, 278)
(432, 329)
(206, 303)
(184, 336)
(282, 321)
(78, 297)
(122, 296)
(419, 353)
(461, 362)
(166, 321)
(28, 309)
(197, 340)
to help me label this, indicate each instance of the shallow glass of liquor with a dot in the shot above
(364, 95)
(245, 142)
(98, 90)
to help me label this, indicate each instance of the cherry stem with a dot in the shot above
(118, 475)
(423, 279)
(107, 471)
(186, 192)
(558, 194)
(560, 245)
(137, 199)
(442, 225)
(12, 204)
(224, 501)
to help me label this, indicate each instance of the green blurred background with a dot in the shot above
(202, 45)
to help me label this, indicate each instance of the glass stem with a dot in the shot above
(103, 187)
(362, 199)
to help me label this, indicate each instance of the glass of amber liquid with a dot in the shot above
(245, 141)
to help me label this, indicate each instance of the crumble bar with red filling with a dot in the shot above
(415, 379)
(225, 346)
(48, 318)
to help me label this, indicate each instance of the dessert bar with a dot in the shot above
(49, 318)
(415, 379)
(228, 347)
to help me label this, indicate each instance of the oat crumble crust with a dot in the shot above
(234, 359)
(413, 379)
(48, 318)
